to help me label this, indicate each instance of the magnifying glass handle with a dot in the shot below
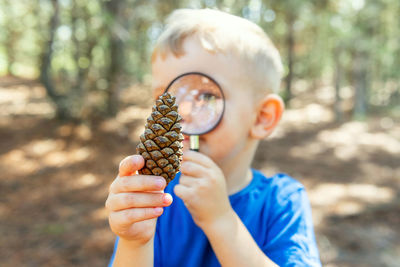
(194, 143)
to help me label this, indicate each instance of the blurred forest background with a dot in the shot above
(75, 90)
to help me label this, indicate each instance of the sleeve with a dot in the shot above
(290, 238)
(110, 264)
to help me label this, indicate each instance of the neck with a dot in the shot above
(237, 169)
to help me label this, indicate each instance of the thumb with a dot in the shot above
(130, 165)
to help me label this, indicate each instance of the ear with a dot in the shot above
(269, 113)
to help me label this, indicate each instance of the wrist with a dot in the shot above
(133, 253)
(135, 244)
(220, 223)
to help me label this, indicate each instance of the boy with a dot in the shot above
(224, 212)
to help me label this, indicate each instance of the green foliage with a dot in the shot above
(94, 48)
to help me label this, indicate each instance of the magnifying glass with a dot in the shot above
(201, 104)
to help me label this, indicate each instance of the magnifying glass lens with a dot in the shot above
(200, 100)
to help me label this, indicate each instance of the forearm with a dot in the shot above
(233, 244)
(129, 254)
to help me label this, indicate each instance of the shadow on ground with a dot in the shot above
(55, 177)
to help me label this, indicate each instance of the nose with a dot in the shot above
(187, 119)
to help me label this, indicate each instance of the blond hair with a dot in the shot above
(224, 33)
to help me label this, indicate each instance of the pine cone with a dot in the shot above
(161, 143)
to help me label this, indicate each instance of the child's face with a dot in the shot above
(230, 136)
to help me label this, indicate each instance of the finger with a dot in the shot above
(137, 183)
(183, 192)
(130, 216)
(130, 165)
(188, 181)
(193, 169)
(198, 158)
(137, 200)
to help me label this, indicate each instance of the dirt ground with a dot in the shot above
(55, 176)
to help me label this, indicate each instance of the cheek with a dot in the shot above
(230, 135)
(221, 145)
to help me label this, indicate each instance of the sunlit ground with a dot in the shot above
(55, 176)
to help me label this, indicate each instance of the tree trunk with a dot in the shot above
(338, 82)
(77, 53)
(290, 54)
(10, 52)
(12, 37)
(114, 7)
(360, 86)
(45, 66)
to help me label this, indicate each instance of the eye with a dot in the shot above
(206, 96)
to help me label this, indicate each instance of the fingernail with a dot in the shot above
(158, 210)
(160, 183)
(167, 198)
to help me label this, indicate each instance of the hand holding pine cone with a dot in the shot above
(161, 143)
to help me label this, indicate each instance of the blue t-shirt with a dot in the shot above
(275, 210)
